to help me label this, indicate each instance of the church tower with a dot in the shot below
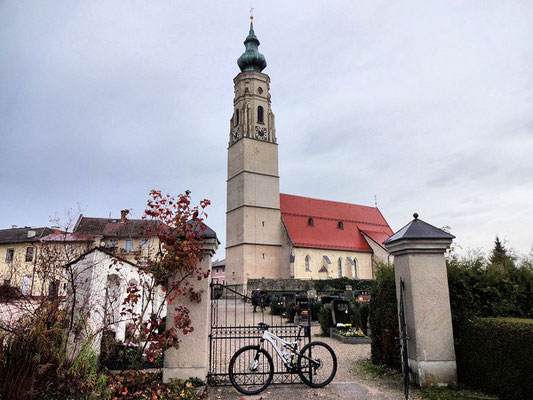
(253, 218)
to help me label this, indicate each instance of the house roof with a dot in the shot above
(326, 232)
(23, 235)
(113, 227)
(418, 229)
(219, 263)
(83, 255)
(130, 228)
(59, 236)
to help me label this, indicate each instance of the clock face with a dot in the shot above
(261, 133)
(236, 134)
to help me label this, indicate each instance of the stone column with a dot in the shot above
(419, 261)
(192, 357)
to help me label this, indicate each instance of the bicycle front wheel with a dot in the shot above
(317, 364)
(251, 370)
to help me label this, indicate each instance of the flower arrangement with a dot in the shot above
(350, 332)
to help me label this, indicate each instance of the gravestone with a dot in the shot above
(340, 312)
(326, 300)
(302, 310)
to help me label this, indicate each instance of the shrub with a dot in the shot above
(353, 309)
(495, 356)
(325, 319)
(9, 293)
(290, 312)
(363, 317)
(135, 385)
(34, 364)
(383, 315)
(275, 306)
(339, 284)
(314, 305)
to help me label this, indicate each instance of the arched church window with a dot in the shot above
(340, 267)
(307, 263)
(356, 273)
(236, 117)
(260, 114)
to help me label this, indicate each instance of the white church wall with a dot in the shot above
(316, 256)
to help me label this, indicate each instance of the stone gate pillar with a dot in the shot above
(418, 250)
(192, 357)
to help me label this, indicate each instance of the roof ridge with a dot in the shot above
(329, 201)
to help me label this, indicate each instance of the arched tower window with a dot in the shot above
(236, 117)
(260, 114)
(340, 267)
(307, 263)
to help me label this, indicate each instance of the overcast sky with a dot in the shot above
(427, 105)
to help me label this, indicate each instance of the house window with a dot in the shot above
(113, 242)
(10, 254)
(129, 245)
(29, 254)
(25, 284)
(260, 114)
(144, 244)
(340, 267)
(52, 289)
(307, 263)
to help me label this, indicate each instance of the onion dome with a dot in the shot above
(251, 59)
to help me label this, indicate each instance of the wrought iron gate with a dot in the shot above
(234, 325)
(403, 341)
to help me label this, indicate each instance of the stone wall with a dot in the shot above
(281, 285)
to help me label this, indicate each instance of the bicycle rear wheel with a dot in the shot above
(251, 370)
(317, 364)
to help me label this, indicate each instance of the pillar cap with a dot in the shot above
(418, 236)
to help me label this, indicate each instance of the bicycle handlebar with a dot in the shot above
(263, 326)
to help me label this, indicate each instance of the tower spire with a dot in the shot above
(251, 59)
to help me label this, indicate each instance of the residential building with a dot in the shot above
(218, 271)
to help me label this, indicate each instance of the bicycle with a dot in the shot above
(251, 368)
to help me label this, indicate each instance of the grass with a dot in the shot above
(387, 376)
(452, 394)
(369, 370)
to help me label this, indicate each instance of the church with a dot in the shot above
(270, 235)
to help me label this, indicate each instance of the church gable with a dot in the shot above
(332, 225)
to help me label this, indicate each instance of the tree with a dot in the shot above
(500, 258)
(179, 230)
(41, 355)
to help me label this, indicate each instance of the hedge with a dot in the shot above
(339, 285)
(383, 315)
(496, 355)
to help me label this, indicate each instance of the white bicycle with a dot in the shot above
(251, 368)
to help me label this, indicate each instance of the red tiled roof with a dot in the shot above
(377, 236)
(326, 233)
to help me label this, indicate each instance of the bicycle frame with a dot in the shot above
(272, 339)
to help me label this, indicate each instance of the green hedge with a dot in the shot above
(383, 316)
(339, 284)
(496, 355)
